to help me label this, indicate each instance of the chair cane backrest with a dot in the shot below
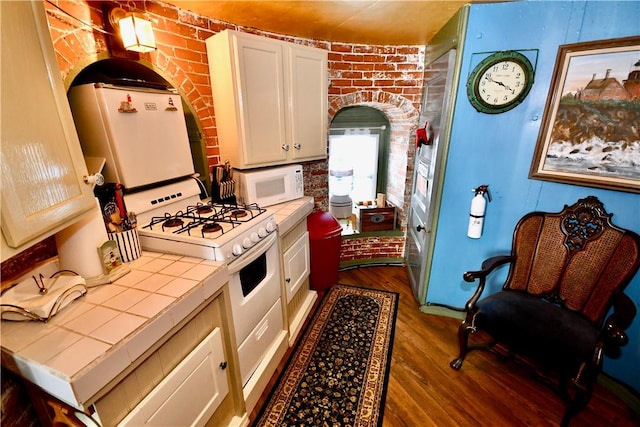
(575, 258)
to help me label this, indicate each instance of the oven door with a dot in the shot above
(254, 285)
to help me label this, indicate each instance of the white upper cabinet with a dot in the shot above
(307, 84)
(270, 99)
(42, 163)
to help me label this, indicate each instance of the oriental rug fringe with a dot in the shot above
(339, 370)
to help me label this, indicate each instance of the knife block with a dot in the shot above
(223, 192)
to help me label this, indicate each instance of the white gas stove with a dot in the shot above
(173, 219)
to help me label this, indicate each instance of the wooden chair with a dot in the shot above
(562, 306)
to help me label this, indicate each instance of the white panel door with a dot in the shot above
(307, 83)
(191, 393)
(428, 168)
(260, 70)
(296, 265)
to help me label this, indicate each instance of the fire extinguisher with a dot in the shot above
(476, 213)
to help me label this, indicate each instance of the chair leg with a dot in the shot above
(463, 343)
(578, 392)
(577, 404)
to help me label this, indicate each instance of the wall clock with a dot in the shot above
(500, 82)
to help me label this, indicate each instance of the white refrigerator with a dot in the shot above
(141, 132)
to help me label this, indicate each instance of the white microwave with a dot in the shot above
(269, 186)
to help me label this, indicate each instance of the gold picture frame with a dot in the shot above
(590, 132)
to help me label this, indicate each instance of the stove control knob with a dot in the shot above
(247, 243)
(271, 226)
(254, 237)
(237, 250)
(262, 232)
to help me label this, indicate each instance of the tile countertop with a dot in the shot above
(289, 213)
(95, 338)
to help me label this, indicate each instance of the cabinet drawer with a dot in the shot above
(254, 347)
(190, 394)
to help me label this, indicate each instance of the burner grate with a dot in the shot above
(207, 220)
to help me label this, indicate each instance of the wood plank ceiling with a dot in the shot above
(383, 22)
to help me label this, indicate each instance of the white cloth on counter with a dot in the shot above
(61, 291)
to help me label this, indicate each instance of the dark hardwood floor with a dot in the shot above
(424, 391)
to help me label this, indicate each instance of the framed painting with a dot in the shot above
(590, 132)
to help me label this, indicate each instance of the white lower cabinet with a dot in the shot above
(190, 394)
(296, 261)
(298, 297)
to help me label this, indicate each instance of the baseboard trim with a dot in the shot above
(441, 311)
(624, 392)
(371, 262)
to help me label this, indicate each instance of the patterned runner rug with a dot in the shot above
(339, 370)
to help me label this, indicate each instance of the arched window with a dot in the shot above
(358, 153)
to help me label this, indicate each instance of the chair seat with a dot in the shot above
(537, 328)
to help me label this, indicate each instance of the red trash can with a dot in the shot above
(325, 240)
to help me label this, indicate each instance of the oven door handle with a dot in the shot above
(252, 253)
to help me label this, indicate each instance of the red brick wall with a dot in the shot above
(385, 77)
(357, 249)
(389, 78)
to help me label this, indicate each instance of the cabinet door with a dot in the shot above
(307, 86)
(42, 163)
(297, 267)
(270, 99)
(260, 85)
(190, 394)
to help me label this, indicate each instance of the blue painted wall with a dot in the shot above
(497, 149)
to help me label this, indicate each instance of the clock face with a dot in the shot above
(500, 82)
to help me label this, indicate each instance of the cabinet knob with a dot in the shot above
(223, 365)
(288, 280)
(297, 146)
(96, 179)
(420, 228)
(285, 147)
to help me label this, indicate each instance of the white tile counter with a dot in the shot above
(88, 343)
(290, 213)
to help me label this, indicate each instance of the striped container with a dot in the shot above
(129, 244)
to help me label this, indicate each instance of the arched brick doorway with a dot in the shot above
(403, 120)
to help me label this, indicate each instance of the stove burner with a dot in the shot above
(204, 209)
(211, 228)
(238, 213)
(172, 223)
